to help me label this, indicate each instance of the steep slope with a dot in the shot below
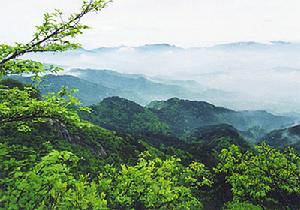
(211, 132)
(283, 137)
(207, 141)
(184, 116)
(94, 145)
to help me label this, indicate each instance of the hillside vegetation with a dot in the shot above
(180, 118)
(116, 154)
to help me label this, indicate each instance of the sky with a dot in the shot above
(188, 23)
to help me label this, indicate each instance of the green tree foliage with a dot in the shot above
(55, 34)
(64, 163)
(267, 176)
(13, 158)
(154, 184)
(50, 184)
(11, 83)
(18, 106)
(242, 206)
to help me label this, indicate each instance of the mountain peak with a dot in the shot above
(162, 46)
(279, 42)
(117, 99)
(159, 45)
(241, 45)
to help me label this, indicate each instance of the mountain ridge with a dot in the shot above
(180, 117)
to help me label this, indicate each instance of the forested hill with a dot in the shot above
(173, 154)
(138, 145)
(184, 115)
(122, 115)
(176, 117)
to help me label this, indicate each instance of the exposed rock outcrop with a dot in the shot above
(63, 131)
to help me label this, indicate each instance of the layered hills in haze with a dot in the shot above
(95, 85)
(158, 105)
(162, 106)
(156, 126)
(251, 70)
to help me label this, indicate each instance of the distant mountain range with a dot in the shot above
(139, 88)
(95, 85)
(256, 45)
(241, 68)
(88, 93)
(169, 47)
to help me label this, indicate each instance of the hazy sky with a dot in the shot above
(181, 22)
